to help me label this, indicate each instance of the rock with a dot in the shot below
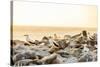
(85, 58)
(24, 55)
(25, 62)
(67, 37)
(63, 53)
(45, 40)
(53, 49)
(48, 59)
(88, 56)
(42, 53)
(70, 49)
(19, 48)
(72, 59)
(37, 42)
(17, 42)
(76, 36)
(61, 59)
(84, 33)
(62, 44)
(76, 52)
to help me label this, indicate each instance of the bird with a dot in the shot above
(17, 42)
(29, 40)
(85, 49)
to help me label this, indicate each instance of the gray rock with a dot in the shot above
(63, 53)
(48, 59)
(72, 59)
(24, 55)
(25, 62)
(42, 53)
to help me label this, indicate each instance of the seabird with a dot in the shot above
(29, 40)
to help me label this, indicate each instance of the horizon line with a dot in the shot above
(53, 26)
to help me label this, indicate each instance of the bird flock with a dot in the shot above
(81, 47)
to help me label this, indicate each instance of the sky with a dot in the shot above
(56, 15)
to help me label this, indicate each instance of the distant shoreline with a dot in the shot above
(47, 28)
(37, 32)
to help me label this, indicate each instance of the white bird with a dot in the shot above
(85, 49)
(29, 40)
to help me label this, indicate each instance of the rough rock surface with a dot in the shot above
(71, 49)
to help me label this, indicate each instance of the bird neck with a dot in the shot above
(27, 38)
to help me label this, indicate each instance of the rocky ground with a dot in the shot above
(81, 47)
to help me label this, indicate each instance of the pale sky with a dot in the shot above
(48, 14)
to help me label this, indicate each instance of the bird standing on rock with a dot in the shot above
(29, 40)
